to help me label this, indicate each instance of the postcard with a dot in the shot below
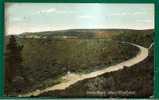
(79, 50)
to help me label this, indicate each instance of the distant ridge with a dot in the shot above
(90, 30)
(80, 33)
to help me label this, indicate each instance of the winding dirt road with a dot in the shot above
(71, 78)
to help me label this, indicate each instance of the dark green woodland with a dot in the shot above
(38, 60)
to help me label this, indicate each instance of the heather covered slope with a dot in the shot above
(136, 81)
(73, 78)
(49, 56)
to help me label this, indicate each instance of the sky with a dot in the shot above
(34, 17)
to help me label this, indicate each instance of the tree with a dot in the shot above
(13, 61)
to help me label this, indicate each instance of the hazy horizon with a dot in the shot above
(36, 17)
(78, 29)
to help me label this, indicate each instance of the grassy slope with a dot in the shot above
(46, 59)
(45, 62)
(137, 79)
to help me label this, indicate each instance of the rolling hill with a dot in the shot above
(81, 33)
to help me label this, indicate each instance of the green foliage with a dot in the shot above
(45, 60)
(136, 81)
(143, 38)
(49, 55)
(13, 65)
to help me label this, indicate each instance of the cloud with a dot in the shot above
(18, 29)
(145, 21)
(17, 19)
(48, 10)
(138, 13)
(86, 17)
(126, 14)
(118, 14)
(64, 12)
(55, 11)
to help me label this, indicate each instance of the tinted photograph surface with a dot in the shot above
(79, 50)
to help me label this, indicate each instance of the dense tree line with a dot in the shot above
(13, 65)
